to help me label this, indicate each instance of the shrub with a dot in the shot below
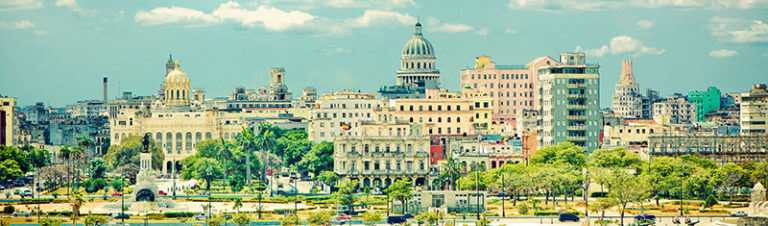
(36, 200)
(523, 209)
(65, 213)
(9, 209)
(178, 214)
(50, 222)
(598, 194)
(553, 213)
(711, 201)
(55, 195)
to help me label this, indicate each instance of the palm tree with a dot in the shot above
(265, 141)
(65, 154)
(238, 205)
(247, 143)
(452, 171)
(224, 153)
(77, 202)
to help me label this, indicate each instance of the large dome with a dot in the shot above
(418, 46)
(177, 76)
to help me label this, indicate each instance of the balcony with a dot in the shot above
(576, 96)
(578, 128)
(576, 106)
(576, 86)
(576, 138)
(576, 117)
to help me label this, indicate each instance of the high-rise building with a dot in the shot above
(9, 121)
(705, 101)
(570, 98)
(627, 101)
(513, 88)
(754, 111)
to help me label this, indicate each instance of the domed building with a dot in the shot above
(176, 87)
(417, 61)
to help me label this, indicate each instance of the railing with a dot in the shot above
(576, 96)
(577, 138)
(576, 106)
(576, 117)
(576, 127)
(576, 86)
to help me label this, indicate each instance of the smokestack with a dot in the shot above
(105, 92)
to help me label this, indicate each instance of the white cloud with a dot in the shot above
(24, 24)
(645, 24)
(269, 17)
(378, 17)
(482, 31)
(738, 30)
(432, 24)
(72, 5)
(41, 33)
(723, 53)
(10, 5)
(621, 45)
(598, 5)
(510, 31)
(371, 4)
(338, 50)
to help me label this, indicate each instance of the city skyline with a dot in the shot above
(356, 45)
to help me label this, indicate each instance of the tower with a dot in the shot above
(417, 61)
(627, 101)
(277, 77)
(169, 66)
(105, 92)
(176, 87)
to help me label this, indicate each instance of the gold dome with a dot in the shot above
(177, 76)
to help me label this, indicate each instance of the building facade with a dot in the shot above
(9, 121)
(675, 110)
(705, 101)
(444, 113)
(339, 114)
(754, 111)
(512, 88)
(627, 101)
(570, 102)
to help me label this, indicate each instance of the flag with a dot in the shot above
(345, 126)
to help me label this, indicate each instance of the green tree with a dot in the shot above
(242, 219)
(50, 222)
(625, 189)
(128, 152)
(562, 153)
(96, 220)
(400, 190)
(77, 201)
(328, 177)
(372, 218)
(346, 193)
(730, 177)
(319, 218)
(198, 168)
(318, 159)
(428, 217)
(10, 170)
(760, 173)
(290, 220)
(601, 206)
(40, 157)
(98, 168)
(451, 173)
(238, 204)
(615, 158)
(711, 201)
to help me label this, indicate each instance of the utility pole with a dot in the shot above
(504, 195)
(208, 187)
(122, 197)
(477, 188)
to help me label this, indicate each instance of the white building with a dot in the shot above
(627, 101)
(676, 110)
(9, 121)
(340, 114)
(754, 111)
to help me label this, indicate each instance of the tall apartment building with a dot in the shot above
(570, 98)
(627, 101)
(340, 114)
(445, 113)
(386, 150)
(512, 88)
(705, 101)
(9, 121)
(754, 111)
(676, 110)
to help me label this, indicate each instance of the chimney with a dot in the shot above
(104, 102)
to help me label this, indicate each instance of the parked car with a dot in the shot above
(563, 217)
(117, 194)
(25, 192)
(118, 223)
(20, 213)
(739, 214)
(340, 219)
(200, 216)
(398, 219)
(644, 217)
(119, 215)
(285, 174)
(161, 192)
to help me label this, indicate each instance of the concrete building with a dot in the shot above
(87, 109)
(512, 88)
(444, 202)
(386, 149)
(651, 97)
(444, 113)
(705, 101)
(675, 110)
(570, 100)
(627, 101)
(339, 114)
(633, 133)
(754, 111)
(37, 114)
(9, 121)
(417, 69)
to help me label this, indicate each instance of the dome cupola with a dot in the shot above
(177, 87)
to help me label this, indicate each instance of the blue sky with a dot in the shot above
(58, 51)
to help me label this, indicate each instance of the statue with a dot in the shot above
(145, 143)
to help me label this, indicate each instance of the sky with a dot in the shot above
(57, 52)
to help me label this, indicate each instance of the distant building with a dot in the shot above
(37, 114)
(754, 111)
(705, 101)
(445, 113)
(417, 69)
(444, 202)
(512, 88)
(9, 121)
(627, 101)
(676, 110)
(570, 92)
(87, 109)
(339, 114)
(651, 97)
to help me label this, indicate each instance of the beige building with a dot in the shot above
(444, 202)
(512, 88)
(340, 114)
(676, 110)
(627, 101)
(9, 121)
(445, 113)
(386, 150)
(754, 111)
(633, 133)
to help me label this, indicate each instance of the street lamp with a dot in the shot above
(504, 195)
(208, 188)
(173, 176)
(477, 188)
(122, 197)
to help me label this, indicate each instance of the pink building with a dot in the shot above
(511, 87)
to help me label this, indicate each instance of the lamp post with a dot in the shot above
(477, 188)
(122, 197)
(208, 188)
(504, 195)
(173, 176)
(295, 195)
(586, 196)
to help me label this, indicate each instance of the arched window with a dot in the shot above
(188, 141)
(458, 119)
(439, 119)
(178, 142)
(177, 94)
(448, 119)
(418, 65)
(168, 142)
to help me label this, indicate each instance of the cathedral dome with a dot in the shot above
(177, 76)
(418, 46)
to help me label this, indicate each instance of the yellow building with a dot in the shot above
(9, 122)
(445, 113)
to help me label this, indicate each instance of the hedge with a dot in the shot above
(714, 211)
(598, 194)
(553, 213)
(42, 200)
(178, 214)
(65, 213)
